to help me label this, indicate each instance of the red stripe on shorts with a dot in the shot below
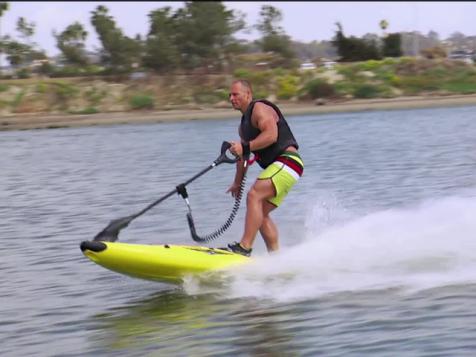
(291, 163)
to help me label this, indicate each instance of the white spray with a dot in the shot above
(430, 245)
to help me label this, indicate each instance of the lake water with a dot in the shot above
(378, 241)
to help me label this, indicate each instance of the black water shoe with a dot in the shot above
(236, 247)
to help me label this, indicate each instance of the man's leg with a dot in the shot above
(268, 229)
(256, 199)
(275, 190)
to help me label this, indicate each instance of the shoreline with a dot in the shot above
(52, 121)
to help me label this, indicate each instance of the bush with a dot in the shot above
(95, 96)
(88, 110)
(141, 101)
(438, 72)
(70, 71)
(41, 87)
(23, 73)
(460, 87)
(386, 76)
(415, 84)
(389, 61)
(287, 87)
(395, 80)
(222, 94)
(349, 71)
(319, 88)
(366, 91)
(258, 79)
(260, 93)
(18, 99)
(65, 91)
(94, 69)
(241, 73)
(261, 78)
(45, 69)
(278, 72)
(343, 88)
(370, 65)
(3, 87)
(208, 97)
(385, 91)
(434, 52)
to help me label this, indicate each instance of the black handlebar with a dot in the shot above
(223, 158)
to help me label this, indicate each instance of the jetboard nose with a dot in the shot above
(94, 246)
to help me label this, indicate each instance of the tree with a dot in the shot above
(392, 45)
(434, 52)
(161, 51)
(433, 36)
(457, 40)
(205, 33)
(26, 30)
(20, 53)
(274, 39)
(119, 52)
(71, 44)
(3, 8)
(17, 53)
(354, 49)
(383, 25)
(270, 17)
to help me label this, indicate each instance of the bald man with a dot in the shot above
(265, 133)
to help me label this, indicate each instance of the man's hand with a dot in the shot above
(234, 189)
(236, 148)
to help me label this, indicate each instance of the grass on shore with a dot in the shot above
(388, 78)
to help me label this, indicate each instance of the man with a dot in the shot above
(265, 133)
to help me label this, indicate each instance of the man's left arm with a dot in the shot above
(264, 118)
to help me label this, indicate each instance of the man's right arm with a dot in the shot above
(240, 172)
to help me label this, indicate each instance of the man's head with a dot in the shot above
(241, 94)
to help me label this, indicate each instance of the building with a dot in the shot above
(467, 56)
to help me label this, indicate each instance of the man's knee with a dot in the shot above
(262, 189)
(253, 195)
(267, 219)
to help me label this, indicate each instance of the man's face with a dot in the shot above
(239, 96)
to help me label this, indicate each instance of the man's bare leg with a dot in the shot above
(268, 229)
(257, 196)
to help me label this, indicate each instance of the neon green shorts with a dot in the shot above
(284, 172)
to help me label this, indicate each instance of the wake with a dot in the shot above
(430, 245)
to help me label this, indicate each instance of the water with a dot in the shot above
(378, 237)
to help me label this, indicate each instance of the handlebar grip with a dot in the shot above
(223, 157)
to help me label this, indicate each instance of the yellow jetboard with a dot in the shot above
(165, 263)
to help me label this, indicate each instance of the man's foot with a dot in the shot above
(236, 247)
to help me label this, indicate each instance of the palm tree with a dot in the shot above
(383, 25)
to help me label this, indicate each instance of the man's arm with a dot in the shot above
(240, 170)
(264, 118)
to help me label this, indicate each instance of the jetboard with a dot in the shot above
(165, 263)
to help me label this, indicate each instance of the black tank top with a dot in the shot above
(285, 137)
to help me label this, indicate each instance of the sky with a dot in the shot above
(302, 21)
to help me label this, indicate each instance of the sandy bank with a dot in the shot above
(44, 121)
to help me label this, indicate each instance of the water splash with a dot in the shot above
(429, 245)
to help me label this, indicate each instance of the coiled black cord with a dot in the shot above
(225, 226)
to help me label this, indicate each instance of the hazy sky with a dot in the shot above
(303, 21)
